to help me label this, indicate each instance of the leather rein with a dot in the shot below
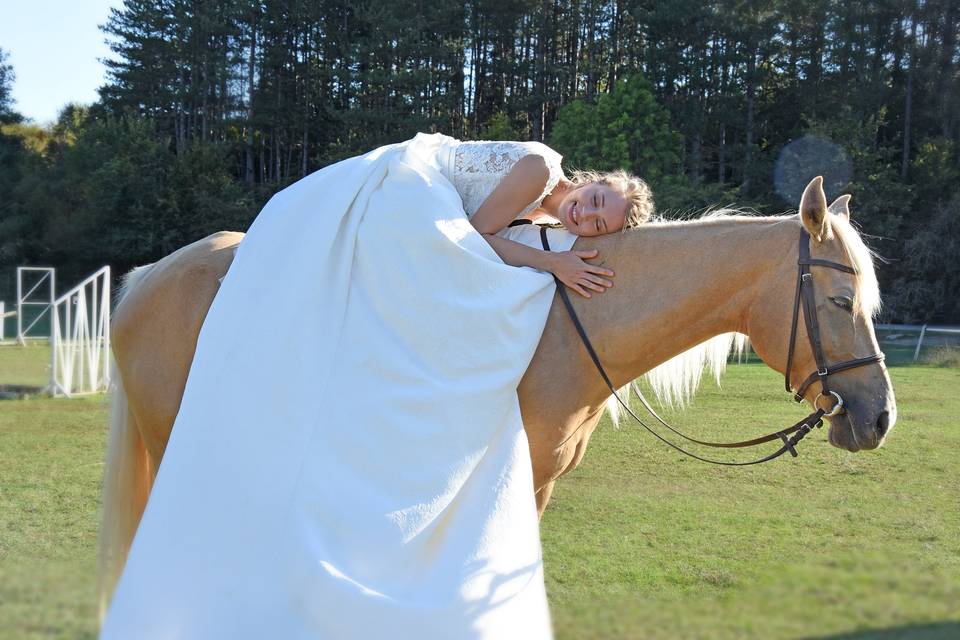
(803, 300)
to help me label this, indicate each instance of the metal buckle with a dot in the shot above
(805, 276)
(823, 373)
(837, 408)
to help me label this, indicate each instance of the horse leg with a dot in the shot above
(562, 460)
(543, 497)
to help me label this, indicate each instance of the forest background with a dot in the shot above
(211, 107)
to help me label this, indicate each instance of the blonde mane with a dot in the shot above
(866, 299)
(675, 381)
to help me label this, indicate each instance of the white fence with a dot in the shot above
(80, 337)
(37, 297)
(4, 314)
(923, 331)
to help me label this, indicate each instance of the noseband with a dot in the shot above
(803, 299)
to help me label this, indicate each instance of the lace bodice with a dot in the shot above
(476, 168)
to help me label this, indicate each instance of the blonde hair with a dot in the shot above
(639, 197)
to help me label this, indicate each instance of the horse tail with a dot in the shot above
(127, 479)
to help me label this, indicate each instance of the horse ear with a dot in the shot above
(840, 208)
(813, 209)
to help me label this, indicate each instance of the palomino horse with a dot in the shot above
(678, 284)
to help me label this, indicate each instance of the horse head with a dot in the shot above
(843, 293)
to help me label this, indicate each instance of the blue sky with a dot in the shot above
(53, 46)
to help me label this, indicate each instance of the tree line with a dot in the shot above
(210, 108)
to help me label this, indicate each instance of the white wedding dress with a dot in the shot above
(349, 460)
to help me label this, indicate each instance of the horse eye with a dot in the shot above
(844, 302)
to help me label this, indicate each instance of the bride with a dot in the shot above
(348, 460)
(498, 179)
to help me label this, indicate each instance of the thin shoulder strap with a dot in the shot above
(543, 238)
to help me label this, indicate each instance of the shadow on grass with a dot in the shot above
(19, 391)
(935, 631)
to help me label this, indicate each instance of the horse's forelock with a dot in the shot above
(867, 294)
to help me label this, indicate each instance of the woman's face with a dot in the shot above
(593, 210)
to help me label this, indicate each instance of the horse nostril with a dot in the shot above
(883, 423)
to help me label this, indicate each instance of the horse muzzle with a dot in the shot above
(862, 427)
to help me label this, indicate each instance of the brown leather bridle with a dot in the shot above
(805, 294)
(803, 299)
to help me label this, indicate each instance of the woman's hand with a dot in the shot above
(571, 270)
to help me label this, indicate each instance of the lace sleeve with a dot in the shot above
(478, 167)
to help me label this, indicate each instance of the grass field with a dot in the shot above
(28, 366)
(638, 542)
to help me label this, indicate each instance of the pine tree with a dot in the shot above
(7, 76)
(626, 129)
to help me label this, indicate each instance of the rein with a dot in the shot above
(790, 436)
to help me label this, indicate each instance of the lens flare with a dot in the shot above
(805, 158)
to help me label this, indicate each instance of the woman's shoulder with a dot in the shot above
(552, 159)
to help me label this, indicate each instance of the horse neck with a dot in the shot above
(682, 283)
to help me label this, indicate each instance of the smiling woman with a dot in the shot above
(593, 209)
(524, 179)
(608, 202)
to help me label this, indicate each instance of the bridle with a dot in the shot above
(805, 295)
(803, 299)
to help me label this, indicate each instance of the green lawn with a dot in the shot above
(51, 460)
(638, 542)
(29, 365)
(642, 543)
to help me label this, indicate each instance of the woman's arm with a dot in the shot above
(568, 266)
(521, 186)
